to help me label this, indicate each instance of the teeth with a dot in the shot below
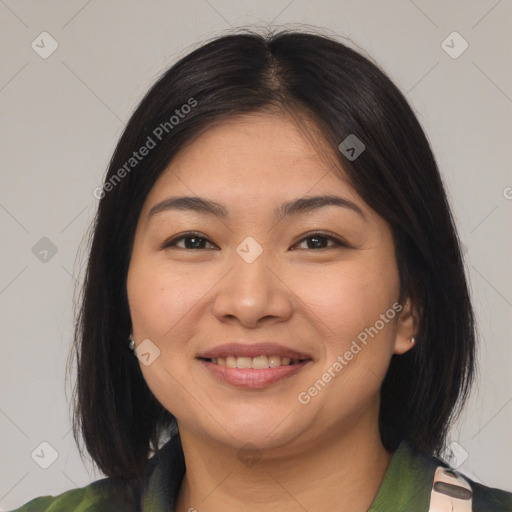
(244, 362)
(274, 361)
(258, 363)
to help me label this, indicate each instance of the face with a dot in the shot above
(238, 284)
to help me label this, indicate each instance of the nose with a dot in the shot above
(252, 294)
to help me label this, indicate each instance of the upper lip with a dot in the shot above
(253, 350)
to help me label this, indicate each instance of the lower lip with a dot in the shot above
(251, 378)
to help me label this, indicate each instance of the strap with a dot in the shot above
(450, 492)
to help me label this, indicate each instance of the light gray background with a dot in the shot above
(62, 116)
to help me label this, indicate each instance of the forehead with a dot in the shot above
(254, 159)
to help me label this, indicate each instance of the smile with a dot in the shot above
(256, 363)
(253, 372)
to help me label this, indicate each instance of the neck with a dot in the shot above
(341, 472)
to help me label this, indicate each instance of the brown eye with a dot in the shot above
(319, 241)
(192, 240)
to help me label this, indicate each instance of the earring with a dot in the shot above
(412, 340)
(131, 343)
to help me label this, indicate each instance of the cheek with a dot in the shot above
(356, 319)
(160, 297)
(162, 304)
(348, 303)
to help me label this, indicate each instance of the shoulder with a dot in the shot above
(102, 495)
(483, 498)
(419, 482)
(489, 499)
(160, 482)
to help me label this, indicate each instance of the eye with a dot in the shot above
(192, 240)
(318, 240)
(195, 240)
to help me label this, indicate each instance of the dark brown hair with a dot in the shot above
(344, 93)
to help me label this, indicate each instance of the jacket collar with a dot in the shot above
(407, 483)
(166, 471)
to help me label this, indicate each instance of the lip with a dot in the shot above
(253, 350)
(251, 378)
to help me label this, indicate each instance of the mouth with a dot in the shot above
(261, 362)
(246, 354)
(255, 378)
(253, 365)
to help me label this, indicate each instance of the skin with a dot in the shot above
(327, 454)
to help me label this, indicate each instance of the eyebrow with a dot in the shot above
(298, 206)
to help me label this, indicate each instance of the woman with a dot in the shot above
(274, 241)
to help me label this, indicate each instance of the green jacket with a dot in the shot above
(407, 487)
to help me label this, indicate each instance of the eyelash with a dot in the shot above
(313, 234)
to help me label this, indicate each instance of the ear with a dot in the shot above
(407, 327)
